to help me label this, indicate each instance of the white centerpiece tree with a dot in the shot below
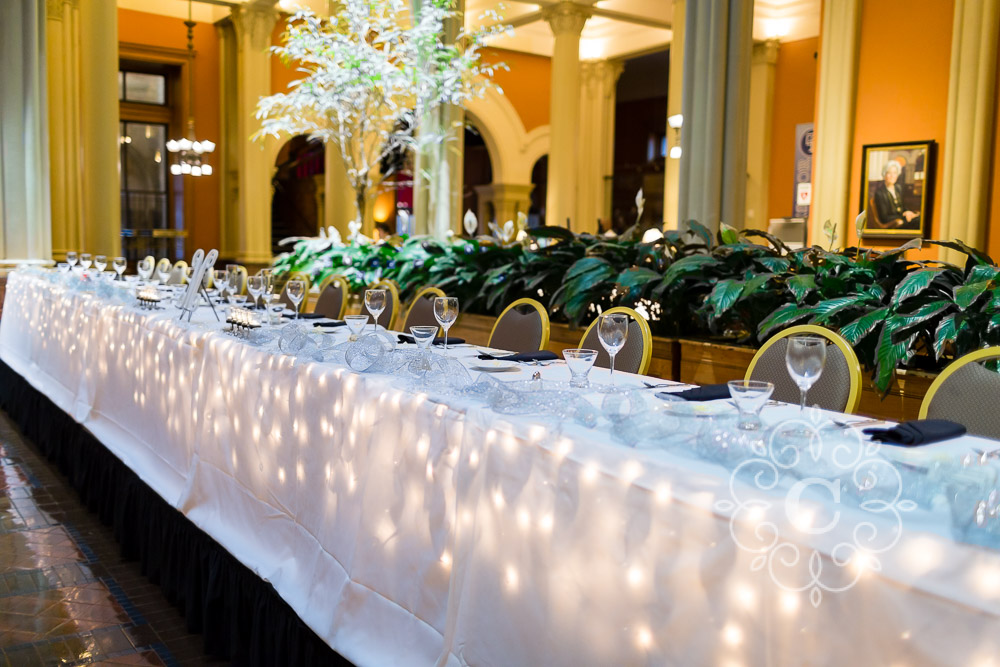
(372, 72)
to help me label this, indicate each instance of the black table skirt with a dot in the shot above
(241, 617)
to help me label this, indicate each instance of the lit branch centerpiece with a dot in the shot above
(373, 72)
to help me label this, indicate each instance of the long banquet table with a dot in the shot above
(411, 528)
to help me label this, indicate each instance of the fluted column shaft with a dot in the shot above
(567, 21)
(596, 141)
(765, 60)
(969, 134)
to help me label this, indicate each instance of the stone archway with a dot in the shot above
(297, 190)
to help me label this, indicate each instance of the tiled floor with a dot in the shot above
(66, 596)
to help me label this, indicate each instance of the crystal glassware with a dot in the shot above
(220, 278)
(750, 397)
(375, 303)
(145, 269)
(85, 260)
(579, 361)
(356, 324)
(119, 265)
(612, 331)
(445, 312)
(62, 267)
(423, 336)
(805, 358)
(296, 291)
(101, 262)
(71, 259)
(234, 279)
(255, 285)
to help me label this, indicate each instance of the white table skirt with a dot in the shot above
(408, 530)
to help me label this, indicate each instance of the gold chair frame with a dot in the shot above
(419, 295)
(546, 325)
(970, 358)
(345, 287)
(647, 334)
(853, 365)
(397, 305)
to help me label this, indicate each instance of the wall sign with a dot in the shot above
(803, 170)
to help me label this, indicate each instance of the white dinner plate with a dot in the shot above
(495, 366)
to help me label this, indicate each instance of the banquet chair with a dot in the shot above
(421, 311)
(523, 326)
(637, 352)
(178, 274)
(334, 293)
(966, 392)
(838, 387)
(391, 313)
(243, 279)
(283, 296)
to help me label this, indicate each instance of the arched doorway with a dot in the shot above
(477, 171)
(540, 179)
(297, 187)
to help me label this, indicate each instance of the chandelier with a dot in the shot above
(189, 151)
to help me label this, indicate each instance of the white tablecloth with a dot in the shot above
(405, 529)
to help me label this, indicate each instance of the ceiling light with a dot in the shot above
(675, 121)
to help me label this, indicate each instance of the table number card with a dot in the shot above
(200, 263)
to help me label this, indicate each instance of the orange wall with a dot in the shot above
(526, 85)
(281, 74)
(993, 219)
(902, 88)
(794, 103)
(156, 30)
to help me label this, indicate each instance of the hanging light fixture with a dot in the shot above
(189, 151)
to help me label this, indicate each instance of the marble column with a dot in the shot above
(567, 20)
(24, 202)
(65, 159)
(98, 63)
(230, 142)
(437, 200)
(838, 68)
(338, 199)
(965, 189)
(596, 143)
(765, 59)
(675, 86)
(253, 23)
(507, 201)
(717, 53)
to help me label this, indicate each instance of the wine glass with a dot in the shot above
(85, 260)
(375, 303)
(580, 362)
(221, 280)
(145, 269)
(163, 268)
(296, 290)
(267, 289)
(71, 259)
(255, 285)
(612, 330)
(805, 358)
(445, 312)
(101, 262)
(119, 265)
(234, 279)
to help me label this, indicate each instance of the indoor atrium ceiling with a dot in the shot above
(616, 29)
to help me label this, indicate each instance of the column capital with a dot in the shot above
(54, 10)
(595, 71)
(254, 21)
(766, 52)
(567, 18)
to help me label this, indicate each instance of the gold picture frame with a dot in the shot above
(897, 189)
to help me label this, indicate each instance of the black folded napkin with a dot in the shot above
(335, 323)
(917, 432)
(438, 340)
(541, 355)
(304, 316)
(708, 392)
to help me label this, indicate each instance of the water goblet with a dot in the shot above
(71, 259)
(255, 285)
(85, 260)
(805, 358)
(119, 265)
(750, 397)
(579, 361)
(235, 279)
(145, 269)
(101, 262)
(423, 336)
(62, 267)
(296, 291)
(220, 278)
(612, 331)
(163, 269)
(375, 303)
(445, 312)
(356, 324)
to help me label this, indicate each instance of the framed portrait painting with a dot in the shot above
(896, 189)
